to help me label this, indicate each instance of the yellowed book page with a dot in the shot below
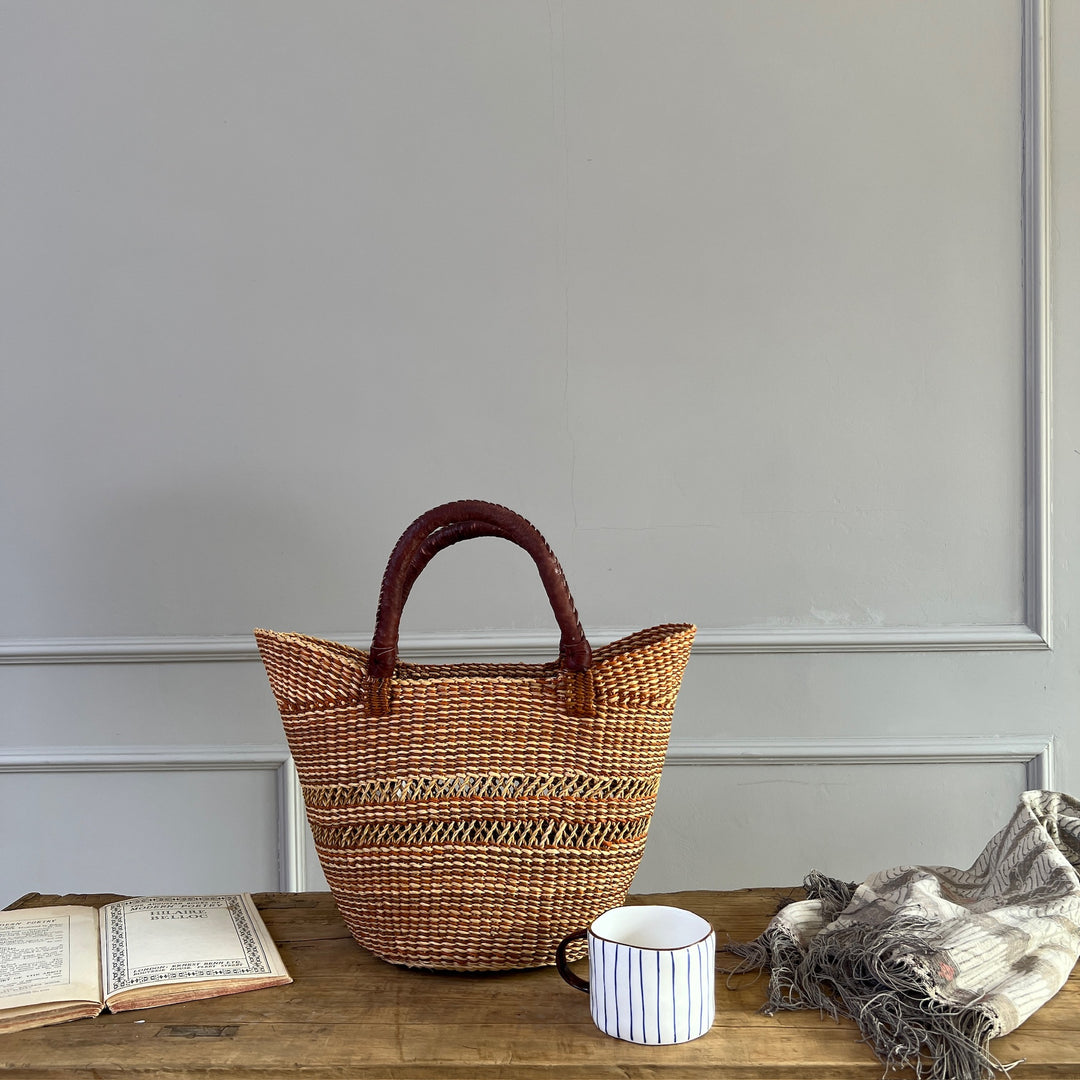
(32, 1016)
(48, 955)
(158, 940)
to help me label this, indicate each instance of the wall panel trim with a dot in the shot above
(1033, 752)
(444, 647)
(97, 759)
(1035, 632)
(1035, 184)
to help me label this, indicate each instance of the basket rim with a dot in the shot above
(355, 658)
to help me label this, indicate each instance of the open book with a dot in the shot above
(63, 963)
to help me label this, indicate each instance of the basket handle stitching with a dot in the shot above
(450, 524)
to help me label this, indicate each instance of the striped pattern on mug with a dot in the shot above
(652, 996)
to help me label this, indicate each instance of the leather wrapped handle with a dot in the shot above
(443, 538)
(450, 524)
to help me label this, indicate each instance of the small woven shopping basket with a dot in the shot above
(470, 816)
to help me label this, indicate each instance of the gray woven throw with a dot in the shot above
(933, 962)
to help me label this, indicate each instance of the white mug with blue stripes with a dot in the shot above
(651, 973)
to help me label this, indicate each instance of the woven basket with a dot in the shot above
(470, 816)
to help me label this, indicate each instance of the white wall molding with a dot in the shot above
(1033, 633)
(294, 831)
(96, 759)
(820, 639)
(1033, 752)
(149, 649)
(1035, 181)
(526, 645)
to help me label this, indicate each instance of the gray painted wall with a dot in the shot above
(728, 298)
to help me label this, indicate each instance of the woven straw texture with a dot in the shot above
(476, 814)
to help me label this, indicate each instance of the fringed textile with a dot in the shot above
(933, 962)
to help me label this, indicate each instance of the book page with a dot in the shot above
(153, 940)
(48, 954)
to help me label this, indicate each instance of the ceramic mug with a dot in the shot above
(651, 973)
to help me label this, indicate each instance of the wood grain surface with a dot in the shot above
(350, 1015)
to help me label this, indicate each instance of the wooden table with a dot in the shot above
(349, 1015)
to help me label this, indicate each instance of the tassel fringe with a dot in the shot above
(876, 976)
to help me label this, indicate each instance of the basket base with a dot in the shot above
(489, 922)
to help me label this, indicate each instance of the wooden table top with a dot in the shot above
(349, 1015)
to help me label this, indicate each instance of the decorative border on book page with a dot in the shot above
(255, 961)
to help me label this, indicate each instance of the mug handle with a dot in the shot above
(575, 981)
